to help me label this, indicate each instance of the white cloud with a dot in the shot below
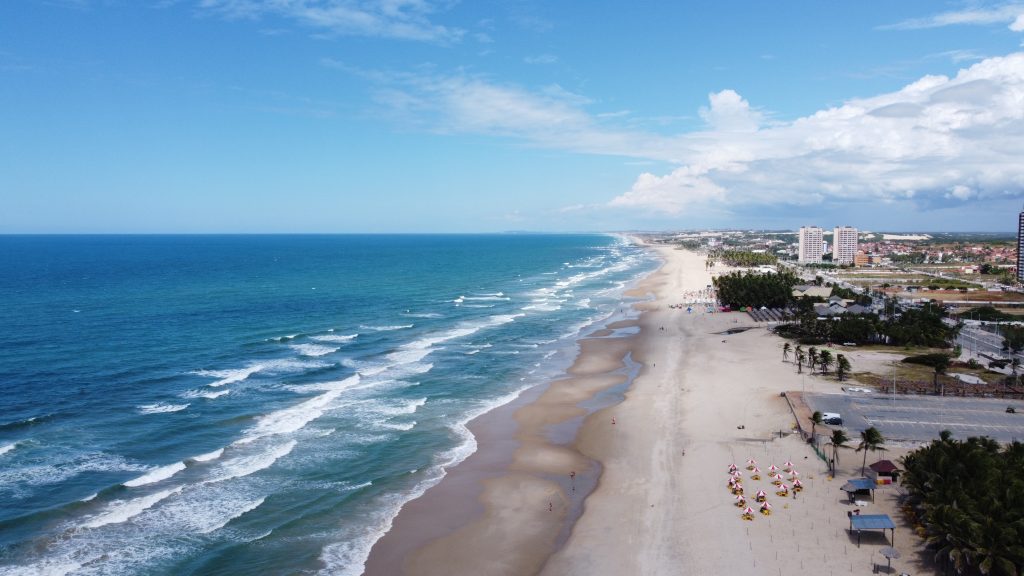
(402, 19)
(730, 112)
(541, 59)
(937, 141)
(1011, 13)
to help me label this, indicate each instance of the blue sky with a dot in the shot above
(446, 116)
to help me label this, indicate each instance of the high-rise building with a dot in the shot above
(1020, 247)
(810, 244)
(844, 244)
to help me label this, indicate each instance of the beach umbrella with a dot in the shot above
(752, 462)
(741, 498)
(732, 467)
(748, 510)
(736, 473)
(890, 553)
(788, 464)
(766, 506)
(756, 470)
(794, 473)
(773, 468)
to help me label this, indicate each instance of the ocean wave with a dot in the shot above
(225, 377)
(285, 338)
(250, 464)
(34, 420)
(18, 479)
(347, 557)
(8, 447)
(334, 338)
(124, 510)
(422, 315)
(156, 475)
(209, 395)
(313, 350)
(296, 417)
(387, 328)
(208, 456)
(160, 408)
(232, 514)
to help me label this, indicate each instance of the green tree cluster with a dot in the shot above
(738, 289)
(986, 314)
(744, 258)
(968, 500)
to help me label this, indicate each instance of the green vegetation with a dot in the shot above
(967, 500)
(743, 258)
(1013, 338)
(922, 327)
(871, 440)
(738, 289)
(986, 314)
(939, 363)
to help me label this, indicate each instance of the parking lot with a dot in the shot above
(921, 418)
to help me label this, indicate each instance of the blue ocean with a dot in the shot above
(264, 404)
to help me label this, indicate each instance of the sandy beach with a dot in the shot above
(621, 466)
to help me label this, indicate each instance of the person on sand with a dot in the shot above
(613, 420)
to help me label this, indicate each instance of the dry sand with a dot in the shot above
(701, 399)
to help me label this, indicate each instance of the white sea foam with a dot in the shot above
(156, 475)
(296, 417)
(225, 377)
(335, 338)
(387, 328)
(208, 394)
(235, 513)
(484, 298)
(347, 557)
(17, 479)
(7, 448)
(250, 464)
(422, 315)
(313, 350)
(209, 456)
(161, 408)
(124, 510)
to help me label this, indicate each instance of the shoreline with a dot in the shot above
(524, 447)
(699, 396)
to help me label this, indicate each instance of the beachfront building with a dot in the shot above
(1020, 247)
(811, 247)
(844, 244)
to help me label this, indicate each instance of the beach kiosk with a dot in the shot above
(885, 472)
(859, 486)
(860, 522)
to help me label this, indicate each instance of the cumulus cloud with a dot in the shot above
(937, 140)
(401, 19)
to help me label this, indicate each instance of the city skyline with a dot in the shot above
(249, 116)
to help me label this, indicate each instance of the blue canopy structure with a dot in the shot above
(855, 485)
(881, 522)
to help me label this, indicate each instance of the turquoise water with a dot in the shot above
(263, 404)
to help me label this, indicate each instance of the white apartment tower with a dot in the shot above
(810, 244)
(844, 244)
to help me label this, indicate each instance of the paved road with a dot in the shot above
(921, 418)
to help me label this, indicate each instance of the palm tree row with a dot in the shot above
(822, 359)
(967, 498)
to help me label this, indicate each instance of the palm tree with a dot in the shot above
(870, 440)
(825, 359)
(785, 351)
(800, 358)
(842, 366)
(941, 363)
(837, 441)
(812, 357)
(816, 419)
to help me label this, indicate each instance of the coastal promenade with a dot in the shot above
(585, 484)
